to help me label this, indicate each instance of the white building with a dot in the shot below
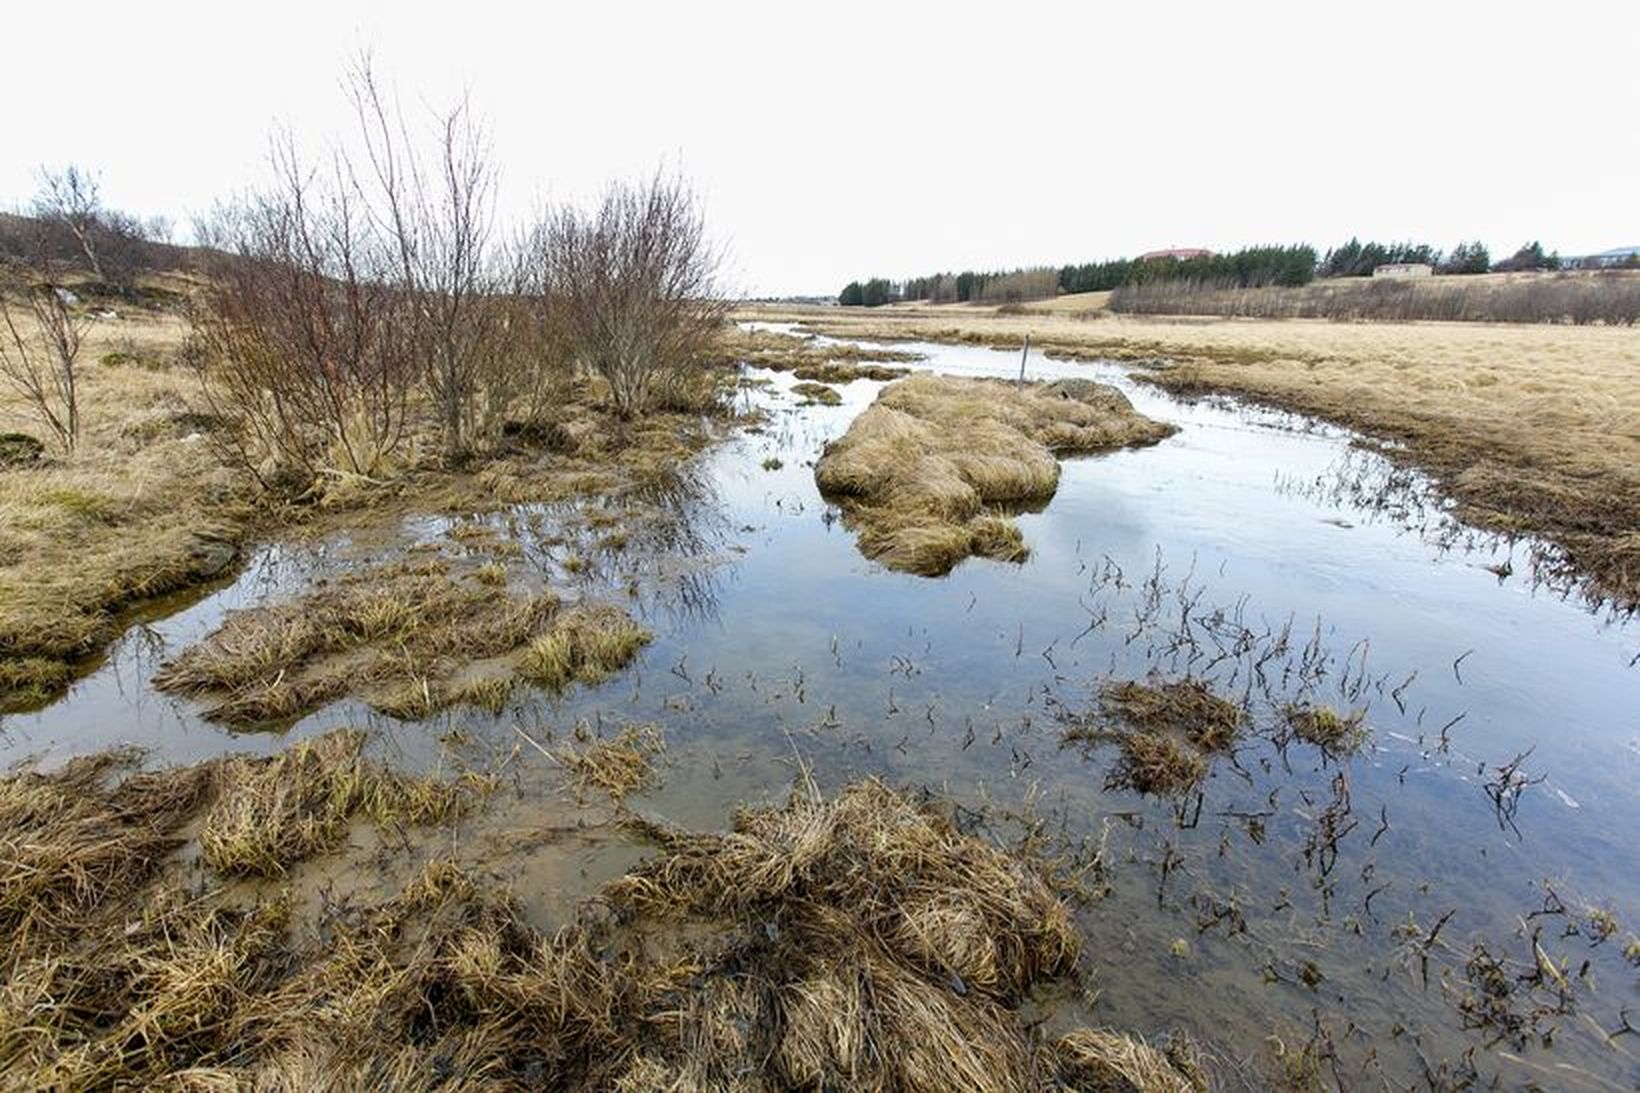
(1404, 269)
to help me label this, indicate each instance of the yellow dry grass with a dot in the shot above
(141, 508)
(1531, 429)
(270, 813)
(398, 636)
(917, 471)
(617, 765)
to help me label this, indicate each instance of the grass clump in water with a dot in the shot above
(272, 812)
(617, 766)
(1337, 735)
(1187, 707)
(1157, 763)
(585, 644)
(817, 393)
(1106, 1060)
(396, 636)
(844, 372)
(921, 466)
(1166, 732)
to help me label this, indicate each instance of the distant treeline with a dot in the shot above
(1250, 267)
(1608, 297)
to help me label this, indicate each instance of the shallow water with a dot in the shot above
(1253, 549)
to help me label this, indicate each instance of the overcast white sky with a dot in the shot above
(843, 139)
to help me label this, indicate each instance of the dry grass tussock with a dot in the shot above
(408, 638)
(1166, 732)
(616, 766)
(1531, 428)
(273, 812)
(812, 392)
(921, 472)
(860, 942)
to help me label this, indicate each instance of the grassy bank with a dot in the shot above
(1531, 429)
(145, 506)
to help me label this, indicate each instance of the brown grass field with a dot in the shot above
(1531, 428)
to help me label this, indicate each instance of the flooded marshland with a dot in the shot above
(1445, 894)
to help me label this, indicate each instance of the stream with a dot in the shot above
(1290, 904)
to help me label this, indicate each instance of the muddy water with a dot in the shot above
(1289, 905)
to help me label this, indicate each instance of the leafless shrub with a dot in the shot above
(1023, 285)
(1609, 298)
(39, 353)
(72, 199)
(71, 223)
(358, 294)
(308, 349)
(437, 217)
(637, 285)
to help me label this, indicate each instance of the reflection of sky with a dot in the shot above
(955, 683)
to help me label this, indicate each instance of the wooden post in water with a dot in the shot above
(1022, 355)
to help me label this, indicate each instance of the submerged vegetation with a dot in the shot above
(1167, 733)
(859, 941)
(925, 474)
(1334, 733)
(409, 638)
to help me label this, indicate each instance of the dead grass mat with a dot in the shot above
(858, 942)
